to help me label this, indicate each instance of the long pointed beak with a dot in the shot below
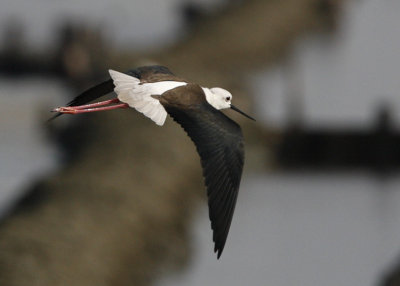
(241, 112)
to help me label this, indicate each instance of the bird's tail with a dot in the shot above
(89, 95)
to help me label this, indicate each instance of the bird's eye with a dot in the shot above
(227, 98)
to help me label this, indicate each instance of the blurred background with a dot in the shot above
(94, 199)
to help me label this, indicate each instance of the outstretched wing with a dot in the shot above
(107, 86)
(219, 142)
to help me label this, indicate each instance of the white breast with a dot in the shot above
(136, 95)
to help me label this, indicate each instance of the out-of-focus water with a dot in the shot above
(131, 24)
(302, 229)
(342, 79)
(25, 152)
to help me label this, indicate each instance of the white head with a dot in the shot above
(218, 97)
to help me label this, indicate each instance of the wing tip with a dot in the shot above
(218, 251)
(218, 248)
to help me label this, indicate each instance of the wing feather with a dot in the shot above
(219, 142)
(138, 95)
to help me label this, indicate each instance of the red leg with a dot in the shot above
(80, 109)
(90, 105)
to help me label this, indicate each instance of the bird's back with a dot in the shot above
(184, 97)
(149, 74)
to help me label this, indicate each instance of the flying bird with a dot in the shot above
(155, 92)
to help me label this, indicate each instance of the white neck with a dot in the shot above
(210, 97)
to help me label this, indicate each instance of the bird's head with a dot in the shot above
(220, 98)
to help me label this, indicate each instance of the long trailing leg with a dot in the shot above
(92, 107)
(86, 106)
(100, 103)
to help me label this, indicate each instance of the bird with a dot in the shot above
(155, 92)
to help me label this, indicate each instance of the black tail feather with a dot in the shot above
(89, 95)
(93, 93)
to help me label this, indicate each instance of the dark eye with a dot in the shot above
(227, 98)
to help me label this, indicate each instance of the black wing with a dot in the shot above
(138, 72)
(219, 142)
(107, 86)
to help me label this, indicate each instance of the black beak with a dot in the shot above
(241, 112)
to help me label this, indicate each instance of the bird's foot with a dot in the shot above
(66, 110)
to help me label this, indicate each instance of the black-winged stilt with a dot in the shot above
(155, 91)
